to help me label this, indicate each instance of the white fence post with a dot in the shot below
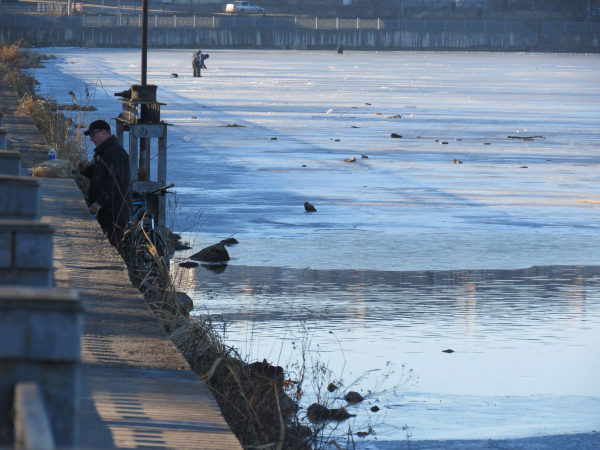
(378, 23)
(357, 23)
(140, 20)
(194, 20)
(213, 21)
(316, 23)
(174, 21)
(156, 21)
(337, 23)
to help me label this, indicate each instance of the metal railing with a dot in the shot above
(574, 27)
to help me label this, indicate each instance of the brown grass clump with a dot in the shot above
(61, 132)
(9, 54)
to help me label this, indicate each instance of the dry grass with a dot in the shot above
(59, 131)
(252, 397)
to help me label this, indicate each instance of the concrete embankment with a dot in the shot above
(263, 38)
(134, 387)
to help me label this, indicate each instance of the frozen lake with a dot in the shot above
(409, 254)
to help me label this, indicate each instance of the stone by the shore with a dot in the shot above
(178, 245)
(350, 160)
(375, 408)
(185, 301)
(332, 387)
(188, 264)
(229, 241)
(396, 136)
(214, 253)
(364, 156)
(319, 413)
(353, 397)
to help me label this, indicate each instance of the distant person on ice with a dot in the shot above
(340, 49)
(195, 61)
(201, 64)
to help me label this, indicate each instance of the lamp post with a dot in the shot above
(144, 42)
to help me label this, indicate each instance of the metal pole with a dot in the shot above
(144, 41)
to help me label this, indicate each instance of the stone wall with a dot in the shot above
(188, 37)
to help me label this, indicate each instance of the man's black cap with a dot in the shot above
(97, 125)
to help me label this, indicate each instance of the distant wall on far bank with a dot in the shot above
(262, 38)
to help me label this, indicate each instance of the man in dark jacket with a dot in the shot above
(110, 194)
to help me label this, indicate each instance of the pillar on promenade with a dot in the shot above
(19, 198)
(10, 163)
(40, 342)
(26, 253)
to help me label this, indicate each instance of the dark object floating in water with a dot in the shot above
(332, 387)
(232, 125)
(353, 397)
(525, 137)
(448, 351)
(364, 156)
(375, 408)
(319, 413)
(188, 264)
(229, 241)
(354, 126)
(523, 167)
(337, 140)
(486, 143)
(362, 433)
(174, 75)
(445, 143)
(214, 253)
(303, 165)
(178, 245)
(368, 104)
(309, 208)
(351, 159)
(456, 161)
(396, 135)
(194, 117)
(215, 268)
(273, 138)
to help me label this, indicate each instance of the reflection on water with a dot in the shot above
(513, 331)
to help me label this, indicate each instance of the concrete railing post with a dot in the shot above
(175, 21)
(156, 21)
(10, 163)
(213, 21)
(2, 139)
(26, 253)
(40, 342)
(295, 22)
(32, 423)
(19, 198)
(194, 20)
(378, 23)
(357, 23)
(337, 23)
(316, 23)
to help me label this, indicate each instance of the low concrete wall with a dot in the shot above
(262, 38)
(570, 39)
(40, 333)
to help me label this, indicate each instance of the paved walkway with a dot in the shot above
(137, 391)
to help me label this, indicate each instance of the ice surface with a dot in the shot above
(379, 270)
